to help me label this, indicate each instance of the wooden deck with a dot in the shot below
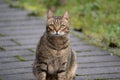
(19, 35)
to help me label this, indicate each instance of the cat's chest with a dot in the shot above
(58, 61)
(58, 57)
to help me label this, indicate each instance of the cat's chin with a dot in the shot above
(56, 35)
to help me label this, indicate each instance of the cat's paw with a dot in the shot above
(41, 76)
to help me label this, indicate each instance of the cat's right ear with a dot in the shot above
(49, 14)
(66, 15)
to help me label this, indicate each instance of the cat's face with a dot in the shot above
(57, 25)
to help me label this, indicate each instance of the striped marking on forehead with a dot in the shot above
(57, 19)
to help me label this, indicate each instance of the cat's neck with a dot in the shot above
(58, 42)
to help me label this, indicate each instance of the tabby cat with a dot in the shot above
(55, 60)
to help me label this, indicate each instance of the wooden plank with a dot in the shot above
(16, 65)
(14, 59)
(6, 54)
(100, 64)
(100, 70)
(15, 71)
(93, 59)
(22, 76)
(99, 77)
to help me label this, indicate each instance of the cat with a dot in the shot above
(55, 60)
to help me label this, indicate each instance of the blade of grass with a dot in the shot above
(2, 48)
(2, 35)
(16, 42)
(1, 79)
(19, 58)
(31, 50)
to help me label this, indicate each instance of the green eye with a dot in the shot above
(62, 25)
(51, 25)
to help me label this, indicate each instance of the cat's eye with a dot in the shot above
(62, 25)
(51, 25)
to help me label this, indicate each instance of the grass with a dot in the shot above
(16, 42)
(99, 20)
(2, 48)
(113, 51)
(100, 79)
(2, 35)
(1, 79)
(32, 5)
(19, 58)
(31, 50)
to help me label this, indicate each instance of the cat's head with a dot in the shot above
(57, 25)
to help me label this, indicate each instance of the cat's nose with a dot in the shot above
(57, 28)
(57, 33)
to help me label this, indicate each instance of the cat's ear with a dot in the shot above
(49, 14)
(66, 15)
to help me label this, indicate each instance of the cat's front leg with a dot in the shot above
(41, 76)
(42, 68)
(39, 70)
(62, 76)
(62, 71)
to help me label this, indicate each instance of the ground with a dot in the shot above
(19, 35)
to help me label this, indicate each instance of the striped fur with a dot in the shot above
(55, 60)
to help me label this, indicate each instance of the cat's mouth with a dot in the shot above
(57, 34)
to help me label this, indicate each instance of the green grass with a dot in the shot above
(1, 79)
(2, 35)
(19, 58)
(101, 79)
(16, 42)
(34, 6)
(2, 48)
(98, 19)
(31, 50)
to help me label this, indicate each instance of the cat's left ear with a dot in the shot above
(66, 15)
(49, 14)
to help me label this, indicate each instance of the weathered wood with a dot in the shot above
(21, 36)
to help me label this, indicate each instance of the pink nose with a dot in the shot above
(56, 33)
(57, 29)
